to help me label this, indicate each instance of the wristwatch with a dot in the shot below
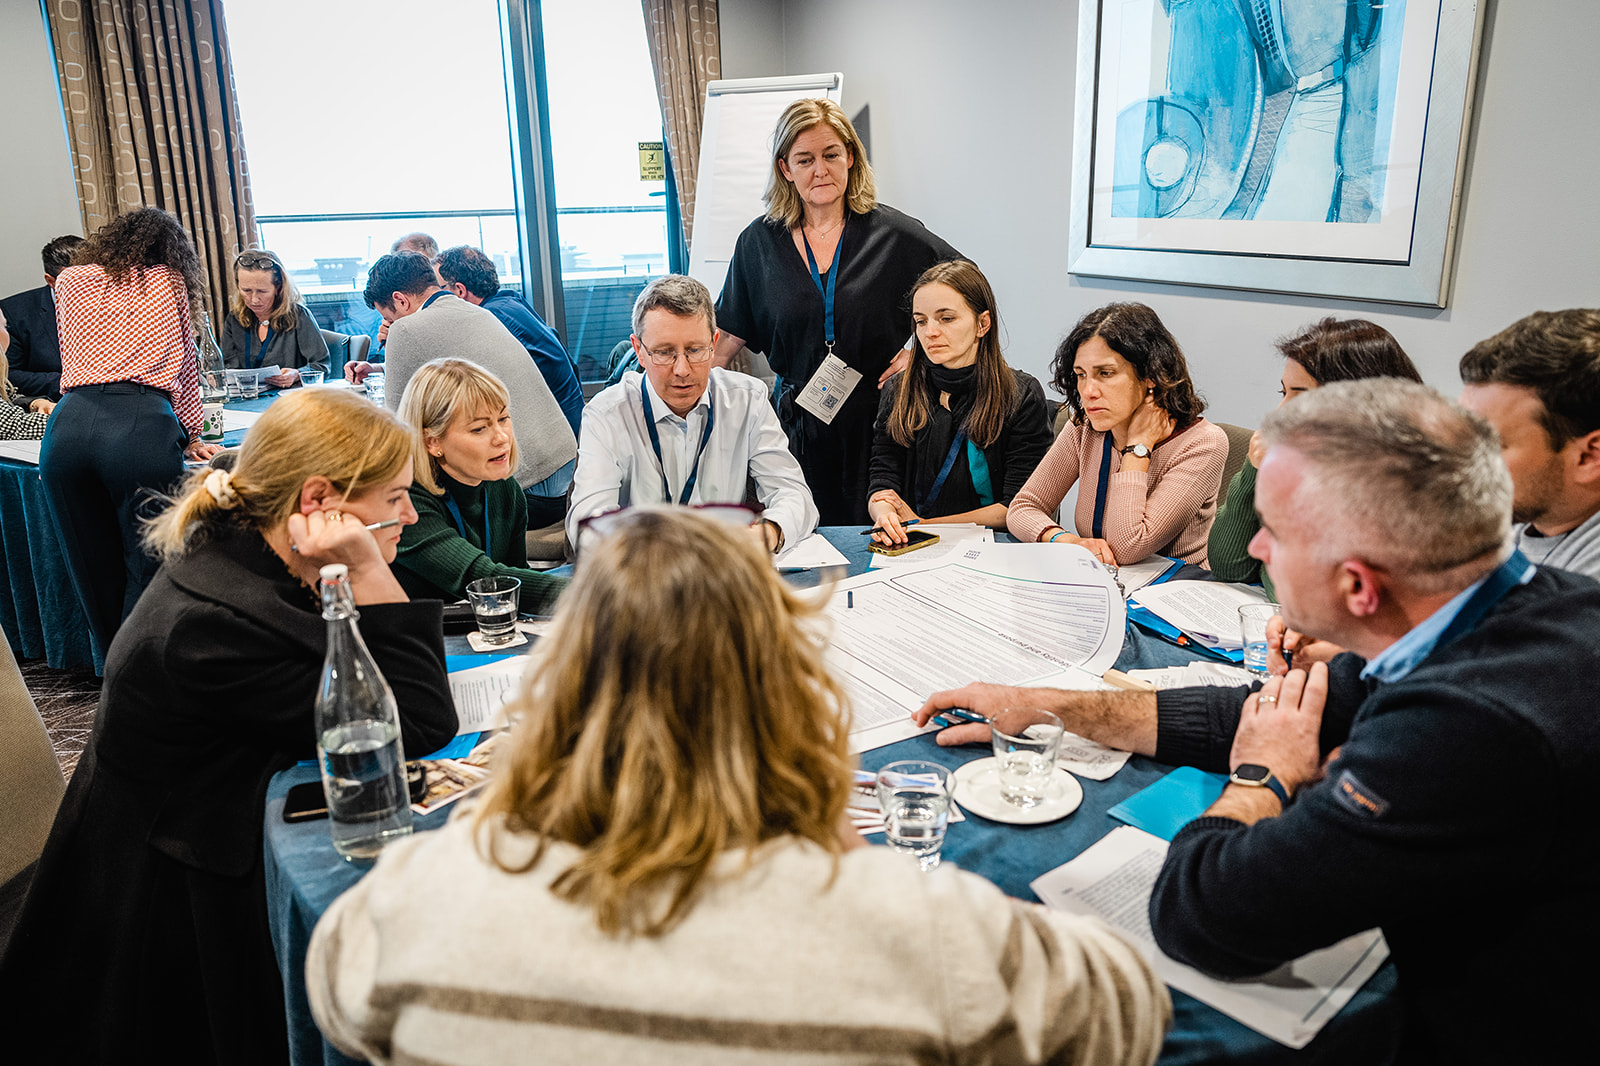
(1252, 775)
(1139, 451)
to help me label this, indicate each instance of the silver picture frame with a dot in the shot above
(1418, 275)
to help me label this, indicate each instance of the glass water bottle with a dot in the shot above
(358, 734)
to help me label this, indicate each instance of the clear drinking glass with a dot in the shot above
(915, 797)
(374, 383)
(311, 377)
(1025, 745)
(494, 604)
(1253, 619)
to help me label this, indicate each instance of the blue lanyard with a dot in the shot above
(655, 442)
(262, 354)
(1098, 530)
(461, 527)
(833, 282)
(925, 502)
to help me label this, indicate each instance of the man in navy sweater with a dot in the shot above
(470, 274)
(1435, 781)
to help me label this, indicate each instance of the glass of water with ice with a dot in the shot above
(915, 797)
(1253, 619)
(1025, 745)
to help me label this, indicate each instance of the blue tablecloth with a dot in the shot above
(40, 614)
(304, 875)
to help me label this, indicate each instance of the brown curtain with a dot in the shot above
(153, 120)
(686, 52)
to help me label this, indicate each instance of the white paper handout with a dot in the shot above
(1135, 576)
(1113, 879)
(810, 553)
(23, 451)
(233, 421)
(480, 693)
(1010, 614)
(1195, 675)
(954, 539)
(1208, 611)
(260, 373)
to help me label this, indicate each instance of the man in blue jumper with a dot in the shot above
(1435, 781)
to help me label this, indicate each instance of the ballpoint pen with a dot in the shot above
(879, 529)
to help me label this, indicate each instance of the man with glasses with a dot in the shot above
(683, 431)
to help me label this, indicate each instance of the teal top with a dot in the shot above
(437, 559)
(1228, 547)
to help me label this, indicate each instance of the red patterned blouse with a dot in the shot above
(137, 331)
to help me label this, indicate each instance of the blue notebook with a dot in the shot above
(1172, 802)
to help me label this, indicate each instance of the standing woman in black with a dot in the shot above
(825, 244)
(130, 406)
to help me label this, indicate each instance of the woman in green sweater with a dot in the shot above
(1334, 349)
(471, 513)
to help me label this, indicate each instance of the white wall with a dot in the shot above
(41, 199)
(972, 126)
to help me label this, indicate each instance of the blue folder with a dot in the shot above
(1172, 802)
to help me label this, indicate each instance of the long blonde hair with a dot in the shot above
(680, 710)
(439, 392)
(352, 442)
(783, 202)
(283, 317)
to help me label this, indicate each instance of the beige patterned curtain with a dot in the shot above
(686, 52)
(153, 119)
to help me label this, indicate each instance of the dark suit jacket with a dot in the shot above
(146, 922)
(35, 352)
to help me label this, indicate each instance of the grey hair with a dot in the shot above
(1401, 478)
(678, 294)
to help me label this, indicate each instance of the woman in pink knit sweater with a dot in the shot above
(1150, 465)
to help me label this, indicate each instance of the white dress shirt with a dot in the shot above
(617, 466)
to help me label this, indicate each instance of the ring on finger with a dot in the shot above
(1266, 699)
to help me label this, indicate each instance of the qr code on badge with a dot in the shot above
(830, 402)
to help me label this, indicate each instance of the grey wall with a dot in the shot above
(40, 200)
(752, 38)
(972, 126)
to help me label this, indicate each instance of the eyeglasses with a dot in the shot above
(256, 261)
(667, 356)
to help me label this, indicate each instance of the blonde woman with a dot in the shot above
(147, 914)
(825, 233)
(267, 324)
(21, 417)
(661, 871)
(472, 514)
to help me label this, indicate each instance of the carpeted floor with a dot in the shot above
(67, 700)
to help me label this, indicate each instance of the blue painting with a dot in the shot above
(1260, 110)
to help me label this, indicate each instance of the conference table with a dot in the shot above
(304, 875)
(39, 613)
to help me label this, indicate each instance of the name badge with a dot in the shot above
(828, 388)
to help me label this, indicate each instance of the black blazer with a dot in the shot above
(35, 352)
(147, 916)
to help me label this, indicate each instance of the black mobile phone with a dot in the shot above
(915, 538)
(458, 618)
(305, 802)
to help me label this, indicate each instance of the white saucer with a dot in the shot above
(978, 790)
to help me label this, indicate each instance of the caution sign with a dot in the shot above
(652, 161)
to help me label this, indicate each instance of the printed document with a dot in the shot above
(1113, 879)
(1013, 614)
(954, 539)
(1207, 611)
(480, 693)
(23, 451)
(809, 553)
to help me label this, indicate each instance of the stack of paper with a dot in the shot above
(1113, 880)
(1205, 611)
(954, 538)
(1195, 675)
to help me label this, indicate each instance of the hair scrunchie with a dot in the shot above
(220, 484)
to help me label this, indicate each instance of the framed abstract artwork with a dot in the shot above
(1298, 146)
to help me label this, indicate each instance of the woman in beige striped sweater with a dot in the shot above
(1148, 464)
(662, 871)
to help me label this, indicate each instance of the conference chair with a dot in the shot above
(1238, 452)
(31, 787)
(344, 348)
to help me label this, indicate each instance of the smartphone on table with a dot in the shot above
(915, 538)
